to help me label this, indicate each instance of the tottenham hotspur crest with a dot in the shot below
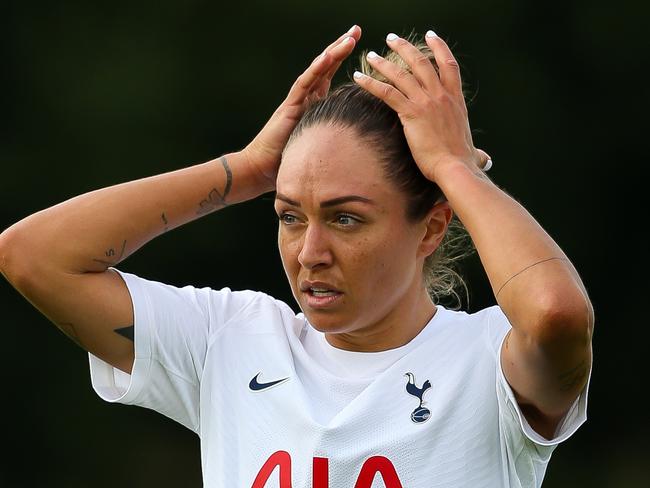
(420, 414)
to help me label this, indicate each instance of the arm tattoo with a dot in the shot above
(68, 329)
(527, 267)
(110, 253)
(127, 332)
(215, 199)
(166, 222)
(573, 377)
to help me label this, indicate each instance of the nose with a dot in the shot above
(315, 249)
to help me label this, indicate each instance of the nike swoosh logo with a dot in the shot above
(257, 386)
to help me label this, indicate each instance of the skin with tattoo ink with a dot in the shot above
(111, 253)
(215, 199)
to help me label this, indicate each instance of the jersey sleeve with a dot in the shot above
(524, 444)
(172, 328)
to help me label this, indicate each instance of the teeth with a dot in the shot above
(322, 292)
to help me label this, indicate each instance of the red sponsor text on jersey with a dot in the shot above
(372, 466)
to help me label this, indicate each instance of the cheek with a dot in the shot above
(289, 250)
(383, 262)
(370, 259)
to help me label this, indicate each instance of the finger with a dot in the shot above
(449, 70)
(354, 32)
(326, 80)
(486, 160)
(336, 52)
(318, 69)
(339, 55)
(488, 165)
(420, 64)
(394, 98)
(335, 58)
(400, 77)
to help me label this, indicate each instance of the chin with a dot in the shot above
(330, 323)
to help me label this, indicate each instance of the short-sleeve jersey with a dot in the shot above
(251, 378)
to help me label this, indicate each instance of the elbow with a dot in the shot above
(12, 266)
(5, 244)
(567, 317)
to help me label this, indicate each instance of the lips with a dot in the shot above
(320, 295)
(318, 286)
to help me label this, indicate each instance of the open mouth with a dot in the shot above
(322, 298)
(322, 292)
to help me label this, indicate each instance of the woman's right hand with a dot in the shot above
(264, 152)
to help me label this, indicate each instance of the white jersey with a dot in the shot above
(276, 406)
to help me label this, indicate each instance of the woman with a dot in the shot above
(375, 383)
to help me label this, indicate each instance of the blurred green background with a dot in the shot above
(98, 93)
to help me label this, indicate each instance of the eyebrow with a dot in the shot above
(328, 203)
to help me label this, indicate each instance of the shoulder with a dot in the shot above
(487, 326)
(488, 317)
(218, 306)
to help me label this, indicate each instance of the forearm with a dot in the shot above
(93, 231)
(530, 275)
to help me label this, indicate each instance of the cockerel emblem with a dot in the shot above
(420, 414)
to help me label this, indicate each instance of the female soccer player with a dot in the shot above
(375, 383)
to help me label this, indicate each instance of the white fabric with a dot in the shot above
(198, 349)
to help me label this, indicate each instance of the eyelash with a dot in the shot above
(282, 217)
(347, 216)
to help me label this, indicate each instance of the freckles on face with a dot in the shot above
(342, 224)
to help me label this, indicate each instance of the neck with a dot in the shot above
(403, 323)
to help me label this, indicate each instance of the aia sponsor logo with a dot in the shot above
(320, 472)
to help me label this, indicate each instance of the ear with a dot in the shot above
(435, 227)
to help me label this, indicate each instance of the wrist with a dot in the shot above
(455, 168)
(235, 179)
(258, 180)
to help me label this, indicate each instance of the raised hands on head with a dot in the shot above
(429, 102)
(265, 151)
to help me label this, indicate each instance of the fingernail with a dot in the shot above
(352, 29)
(372, 55)
(358, 74)
(392, 37)
(431, 34)
(488, 165)
(347, 39)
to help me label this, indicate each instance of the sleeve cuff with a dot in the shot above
(112, 384)
(575, 417)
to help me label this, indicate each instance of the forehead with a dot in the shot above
(326, 162)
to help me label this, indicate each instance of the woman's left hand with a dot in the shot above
(431, 106)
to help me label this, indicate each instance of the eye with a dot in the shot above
(287, 218)
(346, 220)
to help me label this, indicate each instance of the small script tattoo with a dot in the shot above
(573, 377)
(128, 332)
(215, 199)
(111, 254)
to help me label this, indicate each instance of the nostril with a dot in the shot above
(314, 248)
